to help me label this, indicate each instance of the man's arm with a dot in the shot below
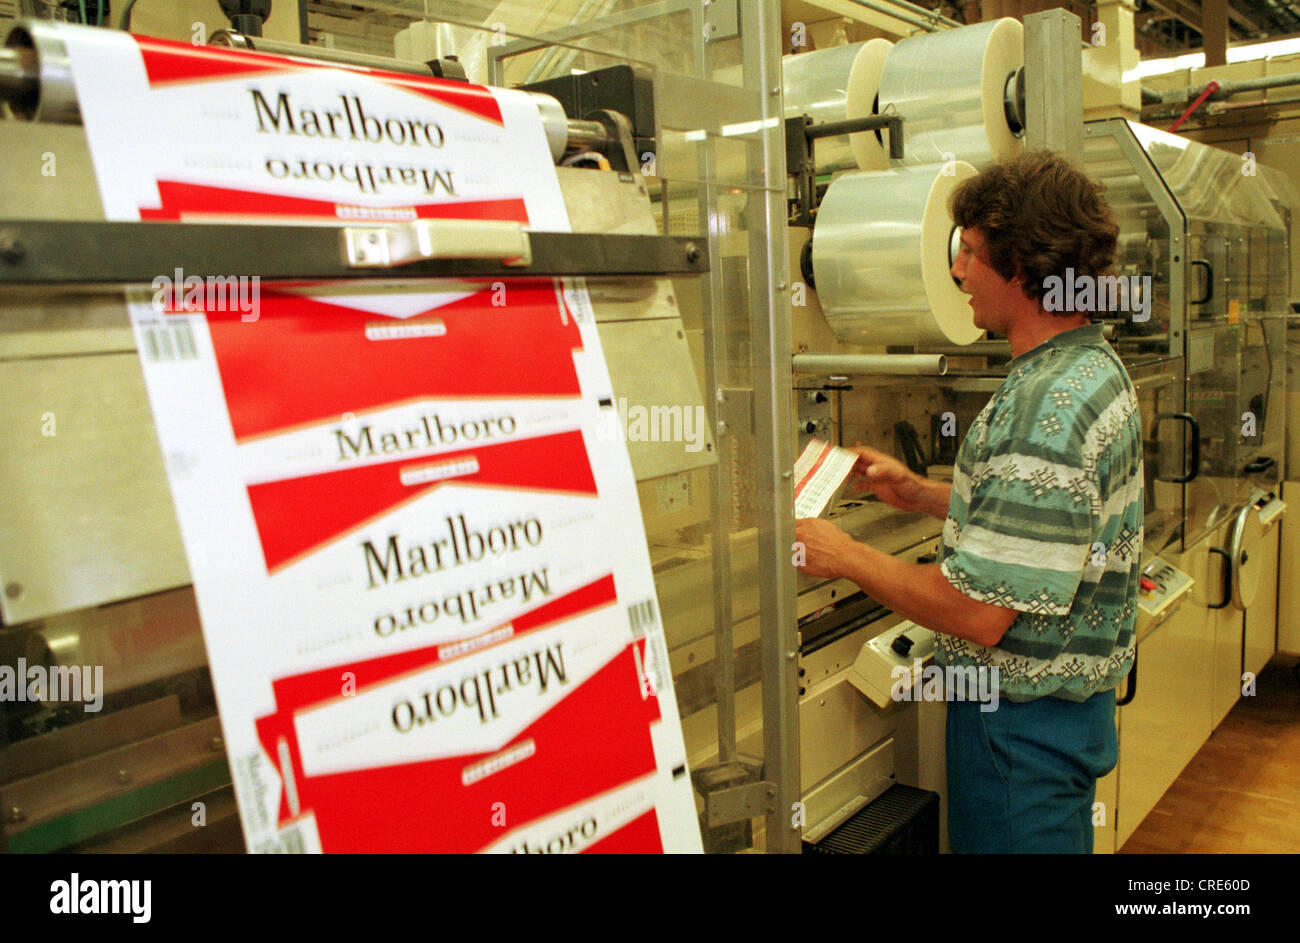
(919, 592)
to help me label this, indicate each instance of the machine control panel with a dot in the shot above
(892, 661)
(1162, 587)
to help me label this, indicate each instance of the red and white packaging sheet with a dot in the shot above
(820, 473)
(410, 519)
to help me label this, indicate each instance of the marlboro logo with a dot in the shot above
(484, 692)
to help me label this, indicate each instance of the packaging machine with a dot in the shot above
(700, 257)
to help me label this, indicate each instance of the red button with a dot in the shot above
(1146, 583)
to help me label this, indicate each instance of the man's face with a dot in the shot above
(991, 296)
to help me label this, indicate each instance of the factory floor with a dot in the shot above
(1241, 793)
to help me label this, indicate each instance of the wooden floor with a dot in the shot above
(1241, 793)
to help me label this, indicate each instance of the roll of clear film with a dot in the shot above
(950, 87)
(881, 257)
(838, 84)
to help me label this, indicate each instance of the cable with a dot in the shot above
(81, 11)
(125, 22)
(597, 158)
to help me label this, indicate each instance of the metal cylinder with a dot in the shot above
(848, 365)
(559, 129)
(42, 59)
(234, 40)
(586, 134)
(18, 82)
(37, 83)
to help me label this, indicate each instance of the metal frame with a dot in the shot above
(38, 252)
(1118, 130)
(1053, 82)
(773, 424)
(720, 477)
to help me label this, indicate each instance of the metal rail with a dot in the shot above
(38, 252)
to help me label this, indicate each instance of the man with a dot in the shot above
(1038, 567)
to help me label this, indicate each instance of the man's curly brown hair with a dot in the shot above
(1039, 215)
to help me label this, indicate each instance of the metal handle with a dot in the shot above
(1131, 688)
(1196, 446)
(1209, 281)
(1272, 508)
(1227, 579)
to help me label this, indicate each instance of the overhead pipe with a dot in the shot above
(1218, 107)
(1191, 109)
(1223, 90)
(848, 365)
(918, 16)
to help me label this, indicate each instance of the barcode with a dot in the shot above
(642, 616)
(287, 841)
(167, 342)
(291, 842)
(574, 300)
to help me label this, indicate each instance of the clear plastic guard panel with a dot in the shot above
(1209, 183)
(1221, 295)
(1143, 252)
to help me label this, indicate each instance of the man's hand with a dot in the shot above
(897, 485)
(825, 547)
(890, 480)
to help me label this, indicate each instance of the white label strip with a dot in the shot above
(820, 473)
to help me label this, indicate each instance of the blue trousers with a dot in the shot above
(1023, 778)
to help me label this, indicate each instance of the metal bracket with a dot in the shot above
(620, 149)
(398, 244)
(800, 155)
(734, 793)
(448, 68)
(1054, 82)
(735, 411)
(739, 803)
(721, 19)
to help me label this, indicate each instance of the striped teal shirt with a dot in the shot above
(1046, 518)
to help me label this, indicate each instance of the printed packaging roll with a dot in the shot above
(881, 257)
(838, 84)
(950, 88)
(399, 502)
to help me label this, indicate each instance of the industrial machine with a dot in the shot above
(1204, 263)
(712, 225)
(1211, 229)
(91, 556)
